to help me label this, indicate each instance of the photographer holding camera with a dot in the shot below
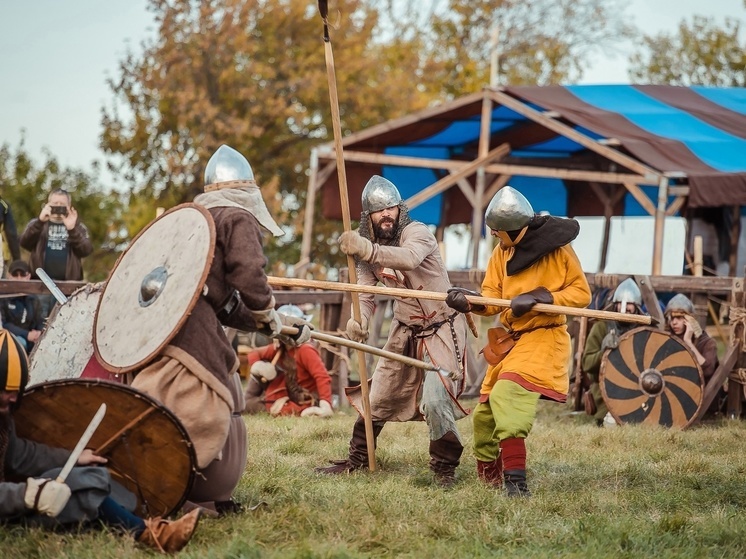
(57, 241)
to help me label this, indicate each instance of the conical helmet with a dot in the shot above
(627, 292)
(13, 364)
(294, 311)
(228, 169)
(225, 165)
(379, 194)
(679, 303)
(508, 210)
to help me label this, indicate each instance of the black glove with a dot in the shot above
(524, 302)
(456, 299)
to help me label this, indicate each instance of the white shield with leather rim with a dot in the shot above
(153, 287)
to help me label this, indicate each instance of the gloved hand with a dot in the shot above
(304, 331)
(524, 302)
(276, 408)
(324, 409)
(356, 331)
(268, 319)
(352, 244)
(46, 496)
(456, 299)
(264, 370)
(693, 326)
(611, 340)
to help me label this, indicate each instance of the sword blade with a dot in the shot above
(49, 283)
(80, 447)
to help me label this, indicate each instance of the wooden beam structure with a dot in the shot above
(493, 168)
(632, 176)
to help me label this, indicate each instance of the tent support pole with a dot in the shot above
(660, 216)
(484, 147)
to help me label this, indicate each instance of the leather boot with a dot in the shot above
(491, 472)
(513, 452)
(358, 457)
(515, 483)
(169, 536)
(445, 453)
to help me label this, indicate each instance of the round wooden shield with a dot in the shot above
(153, 287)
(652, 377)
(148, 449)
(65, 347)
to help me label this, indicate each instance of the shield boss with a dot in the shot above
(652, 377)
(153, 287)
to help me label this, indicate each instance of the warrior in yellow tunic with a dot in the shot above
(534, 263)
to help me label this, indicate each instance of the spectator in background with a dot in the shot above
(58, 241)
(21, 315)
(8, 227)
(681, 322)
(605, 335)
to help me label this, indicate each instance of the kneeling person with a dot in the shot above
(287, 379)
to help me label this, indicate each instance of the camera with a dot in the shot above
(58, 210)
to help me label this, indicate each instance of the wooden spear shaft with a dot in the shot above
(345, 201)
(328, 338)
(438, 296)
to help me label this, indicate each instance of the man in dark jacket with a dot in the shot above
(30, 492)
(58, 241)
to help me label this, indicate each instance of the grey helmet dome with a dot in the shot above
(226, 164)
(379, 194)
(508, 210)
(680, 303)
(294, 311)
(627, 292)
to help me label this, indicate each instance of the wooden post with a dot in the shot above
(735, 388)
(305, 245)
(344, 199)
(735, 235)
(660, 217)
(478, 207)
(579, 349)
(698, 266)
(650, 299)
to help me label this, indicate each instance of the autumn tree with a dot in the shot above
(251, 74)
(700, 53)
(538, 42)
(25, 185)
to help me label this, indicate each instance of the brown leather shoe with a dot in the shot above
(338, 467)
(445, 479)
(169, 536)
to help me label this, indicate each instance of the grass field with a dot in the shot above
(626, 492)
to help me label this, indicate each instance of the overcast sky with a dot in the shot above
(57, 55)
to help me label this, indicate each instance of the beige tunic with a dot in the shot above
(397, 389)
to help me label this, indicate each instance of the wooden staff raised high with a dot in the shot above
(437, 296)
(344, 199)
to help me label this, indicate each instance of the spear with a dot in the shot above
(438, 296)
(344, 199)
(328, 338)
